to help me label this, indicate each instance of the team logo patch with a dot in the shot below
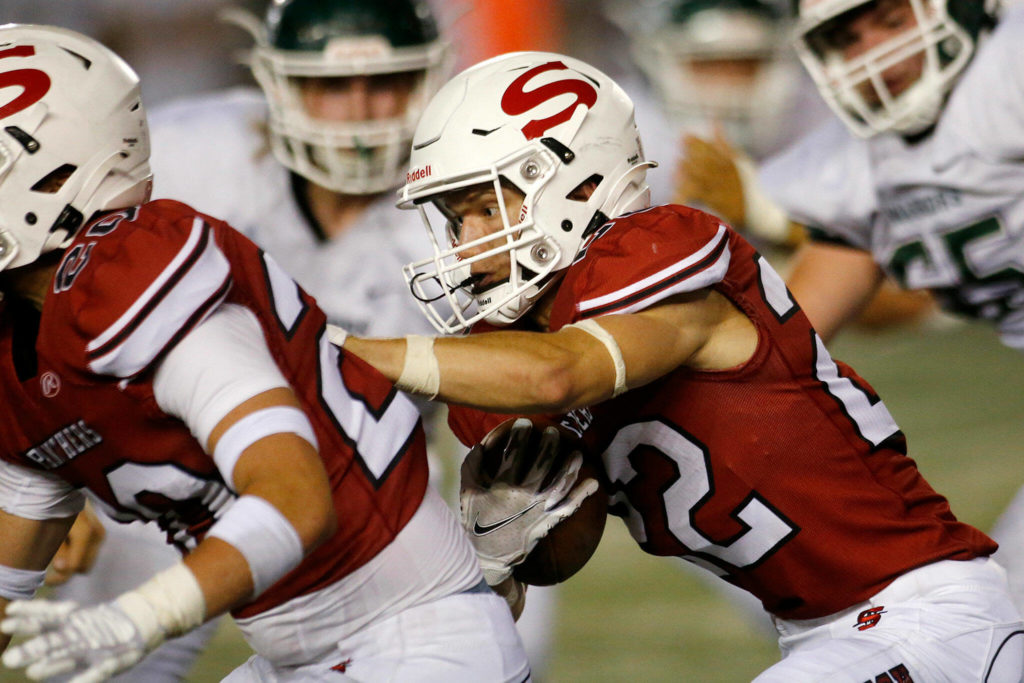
(49, 384)
(869, 618)
(516, 100)
(33, 82)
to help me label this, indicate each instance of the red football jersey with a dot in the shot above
(786, 476)
(127, 289)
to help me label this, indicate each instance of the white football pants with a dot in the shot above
(947, 622)
(463, 638)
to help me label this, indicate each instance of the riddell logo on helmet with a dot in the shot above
(517, 101)
(417, 174)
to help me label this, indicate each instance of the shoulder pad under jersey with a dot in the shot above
(637, 260)
(131, 285)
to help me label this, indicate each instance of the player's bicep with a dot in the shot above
(655, 341)
(223, 381)
(215, 368)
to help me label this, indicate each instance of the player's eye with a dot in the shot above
(896, 18)
(455, 226)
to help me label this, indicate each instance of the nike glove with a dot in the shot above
(515, 488)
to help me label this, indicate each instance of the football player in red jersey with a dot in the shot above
(728, 434)
(158, 360)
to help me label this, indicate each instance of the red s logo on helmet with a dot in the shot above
(34, 83)
(517, 101)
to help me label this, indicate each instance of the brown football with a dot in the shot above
(572, 542)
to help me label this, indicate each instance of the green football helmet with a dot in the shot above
(726, 62)
(390, 43)
(944, 36)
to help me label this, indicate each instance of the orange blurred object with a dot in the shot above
(493, 27)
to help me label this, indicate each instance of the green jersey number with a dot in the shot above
(987, 291)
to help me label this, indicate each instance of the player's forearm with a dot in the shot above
(223, 575)
(518, 372)
(513, 372)
(25, 551)
(832, 284)
(284, 511)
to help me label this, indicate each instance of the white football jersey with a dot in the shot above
(212, 153)
(944, 213)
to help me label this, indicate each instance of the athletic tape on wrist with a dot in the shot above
(169, 604)
(256, 426)
(336, 335)
(591, 327)
(421, 373)
(264, 536)
(763, 216)
(20, 584)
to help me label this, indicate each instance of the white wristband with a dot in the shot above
(764, 218)
(264, 536)
(591, 327)
(169, 604)
(421, 373)
(20, 584)
(256, 426)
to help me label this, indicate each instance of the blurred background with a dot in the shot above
(954, 389)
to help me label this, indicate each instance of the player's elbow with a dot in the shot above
(555, 385)
(309, 506)
(320, 522)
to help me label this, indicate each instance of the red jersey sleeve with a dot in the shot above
(471, 425)
(131, 285)
(642, 258)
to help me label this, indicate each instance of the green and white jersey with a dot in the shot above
(212, 153)
(944, 213)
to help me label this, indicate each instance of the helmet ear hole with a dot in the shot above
(582, 192)
(55, 179)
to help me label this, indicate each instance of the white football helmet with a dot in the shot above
(305, 39)
(547, 124)
(723, 62)
(73, 138)
(944, 38)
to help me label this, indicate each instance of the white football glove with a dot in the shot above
(96, 642)
(507, 511)
(93, 642)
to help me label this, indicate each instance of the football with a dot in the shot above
(572, 542)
